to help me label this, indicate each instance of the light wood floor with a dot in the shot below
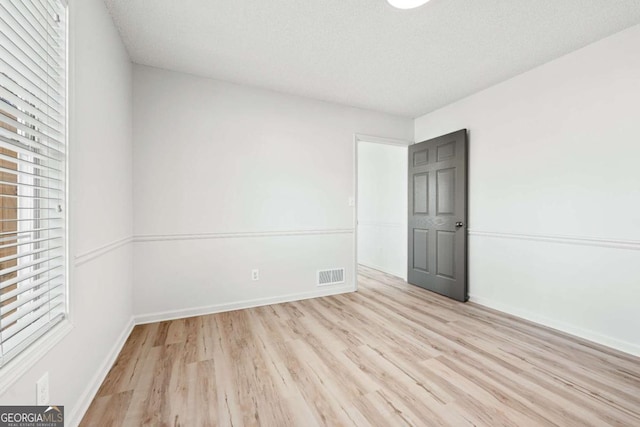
(389, 355)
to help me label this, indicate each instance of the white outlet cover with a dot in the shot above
(255, 274)
(42, 390)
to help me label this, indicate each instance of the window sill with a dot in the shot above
(18, 366)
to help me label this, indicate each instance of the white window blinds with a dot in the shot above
(33, 91)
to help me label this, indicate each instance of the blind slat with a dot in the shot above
(22, 233)
(18, 72)
(32, 98)
(8, 20)
(33, 129)
(45, 288)
(34, 186)
(60, 200)
(17, 143)
(25, 254)
(38, 68)
(29, 120)
(21, 209)
(43, 139)
(31, 165)
(27, 287)
(37, 262)
(12, 18)
(28, 105)
(54, 15)
(26, 220)
(29, 142)
(39, 310)
(30, 242)
(40, 23)
(35, 332)
(23, 278)
(53, 28)
(26, 90)
(23, 173)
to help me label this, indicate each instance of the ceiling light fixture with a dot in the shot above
(406, 4)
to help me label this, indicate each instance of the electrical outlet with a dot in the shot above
(255, 274)
(42, 390)
(352, 201)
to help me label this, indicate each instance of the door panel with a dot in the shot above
(421, 193)
(446, 245)
(420, 248)
(446, 191)
(437, 206)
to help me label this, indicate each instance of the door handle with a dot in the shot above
(459, 224)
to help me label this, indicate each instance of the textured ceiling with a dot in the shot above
(364, 53)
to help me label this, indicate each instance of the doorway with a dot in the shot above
(381, 214)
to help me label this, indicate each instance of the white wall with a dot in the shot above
(555, 191)
(382, 207)
(229, 178)
(100, 216)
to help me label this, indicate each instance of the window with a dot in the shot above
(33, 290)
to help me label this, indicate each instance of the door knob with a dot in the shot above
(459, 224)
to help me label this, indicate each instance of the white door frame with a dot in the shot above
(376, 140)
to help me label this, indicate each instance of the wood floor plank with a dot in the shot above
(397, 384)
(112, 408)
(142, 390)
(390, 354)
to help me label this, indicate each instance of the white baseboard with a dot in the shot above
(92, 388)
(220, 308)
(586, 334)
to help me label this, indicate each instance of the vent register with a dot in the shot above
(330, 277)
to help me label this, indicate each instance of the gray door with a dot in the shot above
(438, 215)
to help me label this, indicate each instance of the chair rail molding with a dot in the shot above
(561, 239)
(239, 235)
(92, 254)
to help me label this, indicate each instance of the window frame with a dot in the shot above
(24, 361)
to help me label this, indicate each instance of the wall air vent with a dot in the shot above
(330, 277)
